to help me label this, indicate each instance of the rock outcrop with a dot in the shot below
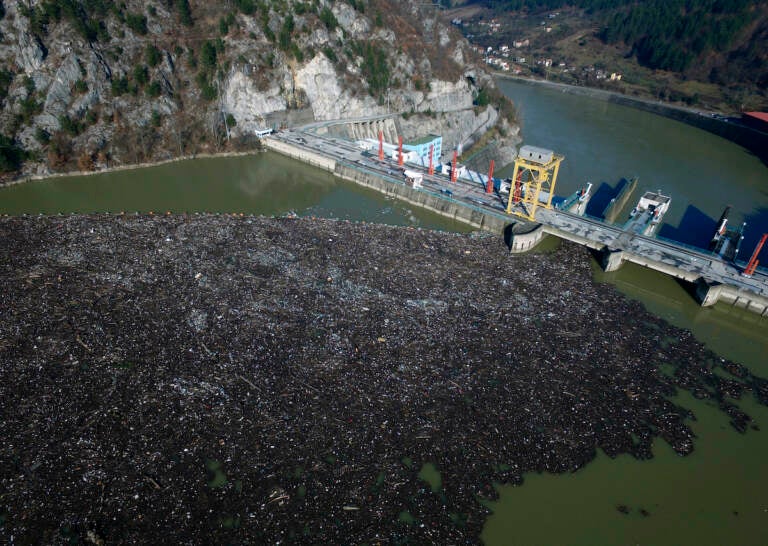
(164, 91)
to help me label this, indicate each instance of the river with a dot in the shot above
(714, 496)
(265, 183)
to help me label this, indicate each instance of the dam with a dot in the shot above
(712, 279)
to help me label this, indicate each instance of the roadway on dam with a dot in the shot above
(682, 262)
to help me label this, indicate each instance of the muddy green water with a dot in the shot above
(265, 183)
(603, 142)
(719, 494)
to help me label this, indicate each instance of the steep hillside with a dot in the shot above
(87, 84)
(710, 53)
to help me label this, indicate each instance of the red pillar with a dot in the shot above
(400, 151)
(381, 146)
(489, 184)
(431, 153)
(454, 170)
(753, 261)
(518, 195)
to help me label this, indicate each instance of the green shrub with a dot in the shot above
(154, 89)
(70, 126)
(298, 54)
(482, 98)
(11, 156)
(328, 18)
(268, 33)
(81, 86)
(136, 22)
(208, 56)
(141, 75)
(42, 136)
(285, 33)
(119, 86)
(30, 107)
(152, 55)
(248, 7)
(208, 92)
(185, 13)
(6, 77)
(330, 53)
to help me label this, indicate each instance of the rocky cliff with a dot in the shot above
(88, 85)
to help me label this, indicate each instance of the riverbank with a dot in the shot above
(229, 379)
(127, 167)
(751, 139)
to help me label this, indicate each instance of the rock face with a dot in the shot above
(60, 91)
(351, 21)
(320, 82)
(460, 129)
(29, 54)
(282, 66)
(448, 96)
(248, 104)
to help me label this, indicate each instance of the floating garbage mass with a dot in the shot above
(222, 379)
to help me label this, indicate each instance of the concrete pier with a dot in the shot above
(617, 203)
(612, 259)
(523, 236)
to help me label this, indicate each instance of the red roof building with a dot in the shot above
(757, 120)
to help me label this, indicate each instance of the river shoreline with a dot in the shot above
(126, 167)
(751, 139)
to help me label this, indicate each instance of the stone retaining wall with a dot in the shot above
(424, 199)
(301, 154)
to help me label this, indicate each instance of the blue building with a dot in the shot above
(421, 147)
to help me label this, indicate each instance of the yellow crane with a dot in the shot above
(533, 181)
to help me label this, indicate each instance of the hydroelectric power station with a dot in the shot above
(525, 207)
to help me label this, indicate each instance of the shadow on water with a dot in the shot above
(695, 228)
(602, 197)
(757, 224)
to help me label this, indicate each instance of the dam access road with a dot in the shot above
(713, 278)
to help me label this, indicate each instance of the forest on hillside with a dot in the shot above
(722, 41)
